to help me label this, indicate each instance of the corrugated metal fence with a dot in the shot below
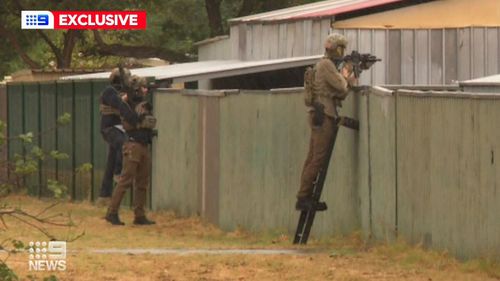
(235, 158)
(35, 107)
(423, 165)
(3, 117)
(447, 171)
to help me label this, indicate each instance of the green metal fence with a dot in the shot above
(35, 107)
(3, 117)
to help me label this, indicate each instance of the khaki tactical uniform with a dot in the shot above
(136, 167)
(330, 88)
(136, 161)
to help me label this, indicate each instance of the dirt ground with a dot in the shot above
(347, 258)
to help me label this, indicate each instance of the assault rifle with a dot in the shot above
(358, 61)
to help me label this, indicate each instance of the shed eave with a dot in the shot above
(209, 69)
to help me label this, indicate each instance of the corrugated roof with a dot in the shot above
(194, 71)
(314, 10)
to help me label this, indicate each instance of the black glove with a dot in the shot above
(318, 114)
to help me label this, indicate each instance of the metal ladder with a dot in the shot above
(306, 218)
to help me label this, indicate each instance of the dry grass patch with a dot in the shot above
(347, 258)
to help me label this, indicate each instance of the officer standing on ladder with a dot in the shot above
(325, 90)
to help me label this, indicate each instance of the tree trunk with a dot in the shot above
(70, 38)
(247, 8)
(214, 17)
(13, 41)
(52, 45)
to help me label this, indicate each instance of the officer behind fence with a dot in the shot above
(111, 108)
(136, 157)
(329, 87)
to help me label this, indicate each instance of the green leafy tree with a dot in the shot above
(24, 165)
(172, 28)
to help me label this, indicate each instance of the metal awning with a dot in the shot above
(493, 80)
(194, 71)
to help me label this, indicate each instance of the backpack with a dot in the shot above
(309, 95)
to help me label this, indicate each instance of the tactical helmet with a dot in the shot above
(335, 40)
(114, 77)
(136, 82)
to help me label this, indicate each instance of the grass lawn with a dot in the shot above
(346, 258)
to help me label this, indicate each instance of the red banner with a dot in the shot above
(99, 19)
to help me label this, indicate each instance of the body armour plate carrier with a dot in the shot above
(144, 111)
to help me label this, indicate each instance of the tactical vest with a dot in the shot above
(148, 121)
(108, 110)
(105, 109)
(309, 95)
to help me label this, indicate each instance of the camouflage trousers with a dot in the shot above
(319, 145)
(136, 172)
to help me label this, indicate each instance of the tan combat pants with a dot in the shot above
(136, 169)
(321, 139)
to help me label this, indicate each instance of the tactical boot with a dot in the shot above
(113, 219)
(307, 204)
(320, 206)
(143, 221)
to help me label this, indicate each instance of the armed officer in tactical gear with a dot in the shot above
(136, 156)
(330, 86)
(112, 109)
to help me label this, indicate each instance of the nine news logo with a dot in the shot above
(37, 20)
(49, 256)
(83, 20)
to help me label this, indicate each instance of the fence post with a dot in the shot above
(209, 128)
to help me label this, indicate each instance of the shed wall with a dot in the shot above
(409, 56)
